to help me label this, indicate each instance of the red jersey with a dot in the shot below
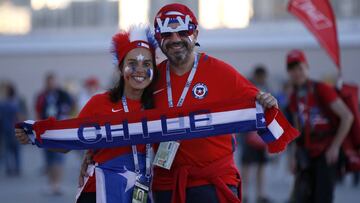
(100, 104)
(311, 105)
(214, 81)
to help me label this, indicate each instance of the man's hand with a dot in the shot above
(88, 159)
(266, 100)
(332, 154)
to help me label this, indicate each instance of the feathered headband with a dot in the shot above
(138, 36)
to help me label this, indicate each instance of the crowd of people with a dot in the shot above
(54, 100)
(203, 170)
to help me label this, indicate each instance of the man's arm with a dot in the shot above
(346, 119)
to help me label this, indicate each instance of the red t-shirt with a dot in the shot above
(313, 102)
(100, 104)
(214, 81)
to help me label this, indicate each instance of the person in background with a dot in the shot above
(12, 110)
(324, 121)
(283, 98)
(253, 148)
(259, 78)
(90, 88)
(2, 98)
(53, 102)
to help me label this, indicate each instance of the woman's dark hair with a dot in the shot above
(147, 98)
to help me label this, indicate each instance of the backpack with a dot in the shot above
(351, 145)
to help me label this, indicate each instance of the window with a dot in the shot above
(14, 19)
(133, 12)
(225, 13)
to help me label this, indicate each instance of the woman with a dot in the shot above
(134, 51)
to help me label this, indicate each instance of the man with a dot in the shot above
(53, 102)
(254, 154)
(203, 169)
(324, 121)
(12, 110)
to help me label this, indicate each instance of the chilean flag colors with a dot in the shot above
(159, 125)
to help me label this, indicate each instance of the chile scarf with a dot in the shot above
(159, 125)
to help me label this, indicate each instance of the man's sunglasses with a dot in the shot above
(183, 33)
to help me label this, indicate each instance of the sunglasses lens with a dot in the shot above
(183, 33)
(165, 34)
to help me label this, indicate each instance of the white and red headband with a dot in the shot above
(136, 37)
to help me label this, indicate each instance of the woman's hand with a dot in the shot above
(88, 159)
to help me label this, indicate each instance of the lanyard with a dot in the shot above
(134, 150)
(305, 114)
(187, 85)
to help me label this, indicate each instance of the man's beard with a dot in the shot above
(178, 57)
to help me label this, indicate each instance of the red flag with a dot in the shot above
(319, 18)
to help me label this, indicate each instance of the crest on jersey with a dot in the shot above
(200, 91)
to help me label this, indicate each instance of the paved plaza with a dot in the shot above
(31, 186)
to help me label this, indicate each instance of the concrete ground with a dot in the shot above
(31, 186)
